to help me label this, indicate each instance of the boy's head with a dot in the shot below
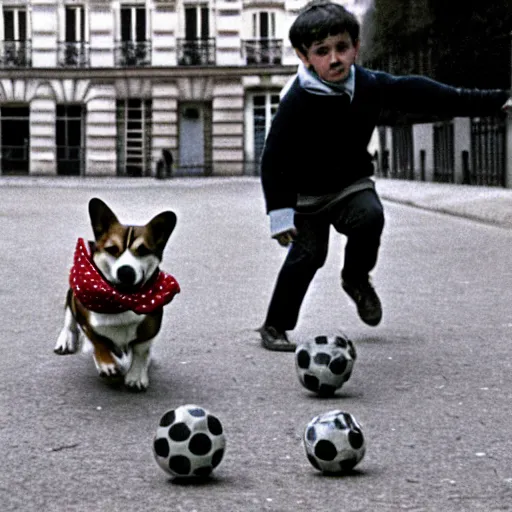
(325, 37)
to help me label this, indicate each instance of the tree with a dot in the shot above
(474, 42)
(462, 42)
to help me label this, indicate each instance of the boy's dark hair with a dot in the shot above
(320, 19)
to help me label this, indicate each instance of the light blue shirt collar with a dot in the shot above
(310, 81)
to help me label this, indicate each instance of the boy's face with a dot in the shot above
(332, 57)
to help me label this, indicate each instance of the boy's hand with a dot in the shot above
(286, 238)
(508, 106)
(282, 226)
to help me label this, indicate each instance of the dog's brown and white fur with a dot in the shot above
(127, 257)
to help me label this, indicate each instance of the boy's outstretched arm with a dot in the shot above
(421, 95)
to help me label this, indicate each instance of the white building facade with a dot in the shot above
(98, 87)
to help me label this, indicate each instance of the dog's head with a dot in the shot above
(128, 256)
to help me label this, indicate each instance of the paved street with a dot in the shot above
(431, 386)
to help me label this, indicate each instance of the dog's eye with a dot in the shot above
(143, 250)
(113, 250)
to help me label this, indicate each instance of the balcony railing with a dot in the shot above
(196, 52)
(263, 51)
(73, 54)
(16, 54)
(133, 53)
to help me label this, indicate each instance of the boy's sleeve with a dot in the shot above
(281, 221)
(421, 95)
(277, 162)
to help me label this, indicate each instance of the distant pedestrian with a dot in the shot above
(316, 168)
(168, 162)
(164, 165)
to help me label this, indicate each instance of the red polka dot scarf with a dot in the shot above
(97, 295)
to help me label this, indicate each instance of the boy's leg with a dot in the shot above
(305, 256)
(361, 219)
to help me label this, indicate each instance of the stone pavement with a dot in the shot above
(432, 387)
(485, 204)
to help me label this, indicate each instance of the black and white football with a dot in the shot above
(189, 442)
(334, 442)
(325, 363)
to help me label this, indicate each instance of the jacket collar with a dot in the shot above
(311, 82)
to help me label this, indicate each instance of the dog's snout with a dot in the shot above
(126, 275)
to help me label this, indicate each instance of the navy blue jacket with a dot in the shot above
(318, 144)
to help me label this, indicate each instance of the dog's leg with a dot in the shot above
(105, 362)
(136, 377)
(68, 340)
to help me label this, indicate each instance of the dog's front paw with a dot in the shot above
(137, 379)
(110, 371)
(67, 342)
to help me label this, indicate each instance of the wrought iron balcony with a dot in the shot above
(16, 54)
(73, 54)
(263, 51)
(133, 53)
(196, 52)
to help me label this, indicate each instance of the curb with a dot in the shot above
(488, 205)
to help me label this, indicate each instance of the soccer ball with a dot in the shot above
(189, 442)
(325, 363)
(334, 442)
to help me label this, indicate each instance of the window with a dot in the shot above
(133, 24)
(264, 108)
(15, 50)
(197, 24)
(15, 24)
(260, 111)
(134, 48)
(197, 48)
(75, 24)
(74, 50)
(264, 25)
(263, 48)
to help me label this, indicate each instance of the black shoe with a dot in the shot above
(272, 339)
(366, 299)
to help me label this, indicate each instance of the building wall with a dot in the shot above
(223, 86)
(423, 141)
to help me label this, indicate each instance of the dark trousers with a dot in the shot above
(361, 218)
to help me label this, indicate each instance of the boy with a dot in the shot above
(316, 169)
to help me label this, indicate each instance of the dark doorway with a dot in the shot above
(69, 134)
(15, 137)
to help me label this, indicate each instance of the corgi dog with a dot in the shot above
(117, 294)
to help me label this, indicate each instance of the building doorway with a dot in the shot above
(70, 140)
(134, 137)
(14, 138)
(195, 139)
(260, 110)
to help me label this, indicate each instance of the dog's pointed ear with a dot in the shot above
(161, 228)
(102, 217)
